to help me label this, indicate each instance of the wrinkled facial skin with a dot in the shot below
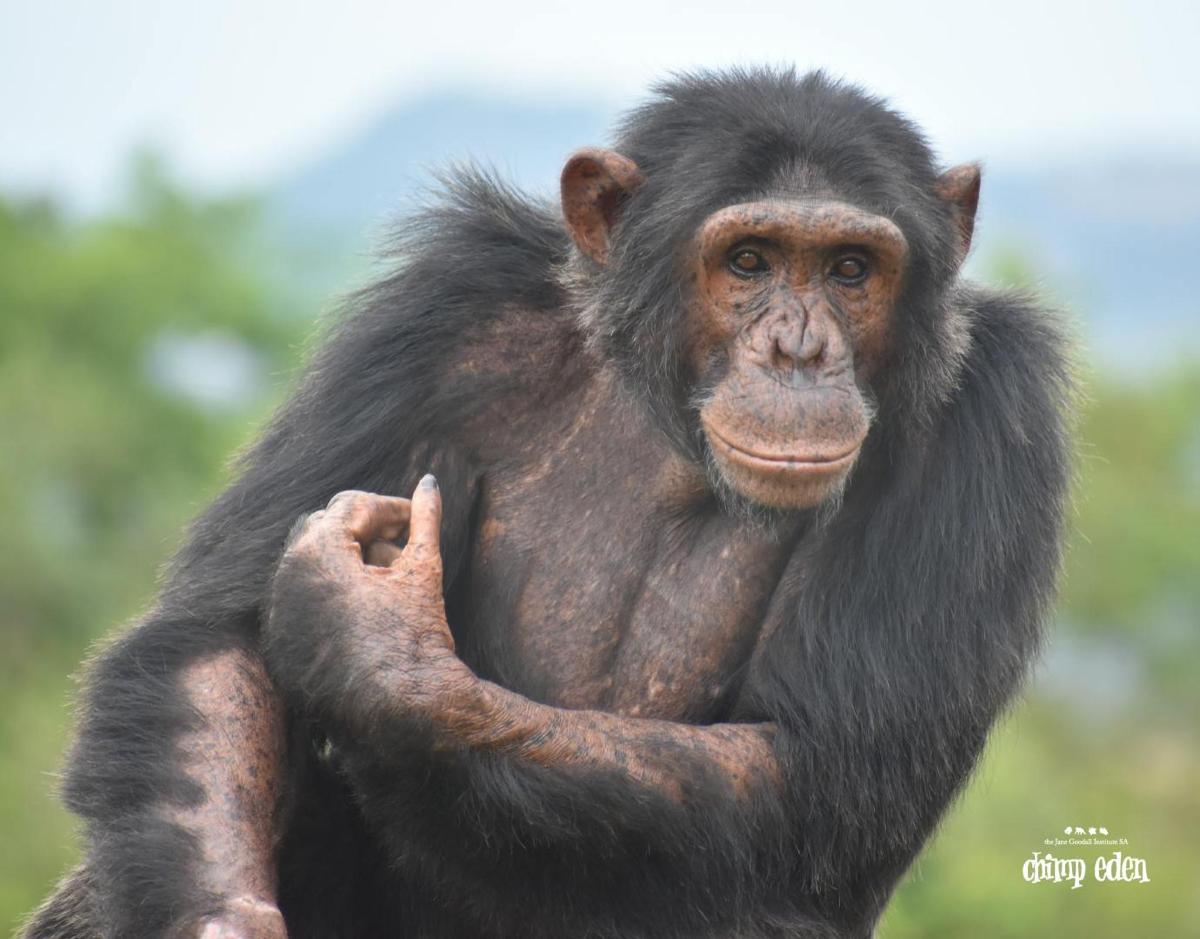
(785, 335)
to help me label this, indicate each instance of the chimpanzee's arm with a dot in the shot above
(662, 755)
(374, 398)
(368, 648)
(235, 755)
(368, 644)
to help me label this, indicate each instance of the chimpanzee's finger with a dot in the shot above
(424, 529)
(363, 517)
(382, 553)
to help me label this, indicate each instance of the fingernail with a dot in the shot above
(429, 481)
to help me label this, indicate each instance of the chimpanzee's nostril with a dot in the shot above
(781, 357)
(812, 345)
(795, 345)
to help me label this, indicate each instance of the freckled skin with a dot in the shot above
(598, 620)
(239, 823)
(382, 630)
(786, 419)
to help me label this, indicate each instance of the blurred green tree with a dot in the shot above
(118, 410)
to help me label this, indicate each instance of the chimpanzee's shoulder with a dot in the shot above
(473, 321)
(1018, 378)
(1018, 344)
(477, 249)
(474, 295)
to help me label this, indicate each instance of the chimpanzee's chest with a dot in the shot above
(610, 596)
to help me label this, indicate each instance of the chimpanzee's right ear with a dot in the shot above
(595, 184)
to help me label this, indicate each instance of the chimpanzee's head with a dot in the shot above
(766, 257)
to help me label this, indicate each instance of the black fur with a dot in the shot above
(913, 611)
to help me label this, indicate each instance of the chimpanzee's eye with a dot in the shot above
(746, 261)
(849, 269)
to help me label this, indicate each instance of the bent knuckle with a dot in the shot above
(348, 498)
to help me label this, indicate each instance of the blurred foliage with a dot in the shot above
(102, 463)
(99, 467)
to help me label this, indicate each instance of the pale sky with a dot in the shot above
(237, 91)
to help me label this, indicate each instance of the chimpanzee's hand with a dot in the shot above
(357, 626)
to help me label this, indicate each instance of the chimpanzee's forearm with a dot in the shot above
(692, 821)
(178, 720)
(235, 757)
(473, 716)
(367, 649)
(666, 756)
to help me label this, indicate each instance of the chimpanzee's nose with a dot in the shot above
(796, 340)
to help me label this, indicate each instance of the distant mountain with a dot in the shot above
(379, 171)
(1118, 240)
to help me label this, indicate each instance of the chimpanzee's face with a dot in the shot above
(789, 312)
(790, 315)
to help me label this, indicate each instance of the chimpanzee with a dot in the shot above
(737, 512)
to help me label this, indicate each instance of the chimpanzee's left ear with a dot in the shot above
(958, 187)
(595, 183)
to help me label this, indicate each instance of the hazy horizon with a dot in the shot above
(240, 95)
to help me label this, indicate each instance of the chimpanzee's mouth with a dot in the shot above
(812, 463)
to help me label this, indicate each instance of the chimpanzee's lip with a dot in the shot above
(817, 464)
